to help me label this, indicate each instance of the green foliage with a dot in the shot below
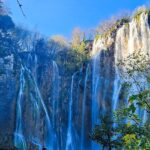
(77, 56)
(131, 132)
(80, 48)
(72, 59)
(134, 136)
(140, 11)
(135, 70)
(97, 37)
(109, 27)
(105, 133)
(135, 133)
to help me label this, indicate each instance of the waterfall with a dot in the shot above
(55, 90)
(117, 80)
(107, 91)
(130, 39)
(19, 139)
(55, 101)
(51, 138)
(83, 109)
(69, 142)
(95, 93)
(49, 132)
(116, 89)
(34, 137)
(35, 66)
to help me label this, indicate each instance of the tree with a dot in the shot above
(111, 23)
(135, 132)
(61, 40)
(20, 6)
(105, 133)
(1, 7)
(130, 132)
(79, 45)
(57, 44)
(77, 37)
(3, 10)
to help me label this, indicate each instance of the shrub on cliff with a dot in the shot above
(111, 24)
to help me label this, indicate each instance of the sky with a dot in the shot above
(53, 17)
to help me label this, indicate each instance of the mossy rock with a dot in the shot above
(138, 13)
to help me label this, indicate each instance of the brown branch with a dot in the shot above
(137, 123)
(147, 105)
(20, 6)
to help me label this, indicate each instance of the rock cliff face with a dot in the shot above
(44, 104)
(122, 42)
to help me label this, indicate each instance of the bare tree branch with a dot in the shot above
(20, 6)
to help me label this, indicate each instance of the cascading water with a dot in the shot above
(34, 137)
(116, 91)
(33, 99)
(35, 66)
(95, 93)
(49, 131)
(129, 38)
(55, 102)
(117, 81)
(69, 140)
(19, 139)
(83, 109)
(128, 41)
(55, 90)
